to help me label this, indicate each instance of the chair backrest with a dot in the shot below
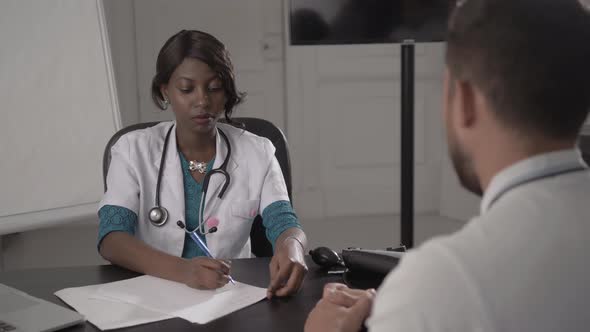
(261, 247)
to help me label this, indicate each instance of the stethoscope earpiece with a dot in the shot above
(183, 226)
(158, 216)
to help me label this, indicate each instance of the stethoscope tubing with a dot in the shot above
(161, 214)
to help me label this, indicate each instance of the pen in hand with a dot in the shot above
(201, 244)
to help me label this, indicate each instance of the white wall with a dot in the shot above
(75, 243)
(133, 27)
(57, 84)
(344, 128)
(367, 76)
(58, 91)
(67, 245)
(253, 39)
(120, 16)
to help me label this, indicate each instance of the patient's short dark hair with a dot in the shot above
(531, 59)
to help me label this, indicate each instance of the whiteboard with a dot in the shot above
(59, 108)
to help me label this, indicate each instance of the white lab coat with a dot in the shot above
(256, 182)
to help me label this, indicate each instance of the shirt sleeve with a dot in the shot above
(428, 291)
(122, 181)
(115, 219)
(277, 218)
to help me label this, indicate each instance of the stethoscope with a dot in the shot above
(537, 177)
(158, 215)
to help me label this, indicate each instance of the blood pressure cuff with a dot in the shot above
(368, 268)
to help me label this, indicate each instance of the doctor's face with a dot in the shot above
(196, 95)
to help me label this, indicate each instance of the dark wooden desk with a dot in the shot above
(276, 315)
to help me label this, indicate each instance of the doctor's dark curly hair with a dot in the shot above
(201, 46)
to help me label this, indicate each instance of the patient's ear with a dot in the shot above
(466, 104)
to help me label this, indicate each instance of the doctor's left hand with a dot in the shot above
(287, 269)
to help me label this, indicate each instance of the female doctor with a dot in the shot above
(213, 177)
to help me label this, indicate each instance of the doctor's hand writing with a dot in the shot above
(287, 267)
(205, 273)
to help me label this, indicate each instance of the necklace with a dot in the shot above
(199, 166)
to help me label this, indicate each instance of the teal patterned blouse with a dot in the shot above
(276, 218)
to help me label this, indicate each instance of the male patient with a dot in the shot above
(517, 91)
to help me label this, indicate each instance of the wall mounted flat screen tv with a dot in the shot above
(326, 22)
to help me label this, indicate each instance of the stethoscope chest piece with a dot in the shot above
(158, 216)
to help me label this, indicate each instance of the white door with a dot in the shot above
(252, 32)
(344, 128)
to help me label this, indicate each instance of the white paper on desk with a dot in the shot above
(237, 297)
(176, 299)
(107, 314)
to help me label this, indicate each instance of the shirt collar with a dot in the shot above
(528, 170)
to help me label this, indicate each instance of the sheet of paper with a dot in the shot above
(107, 314)
(238, 297)
(176, 299)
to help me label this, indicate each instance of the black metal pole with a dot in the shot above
(407, 145)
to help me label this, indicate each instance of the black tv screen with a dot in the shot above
(324, 22)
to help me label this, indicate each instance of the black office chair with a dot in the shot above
(261, 247)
